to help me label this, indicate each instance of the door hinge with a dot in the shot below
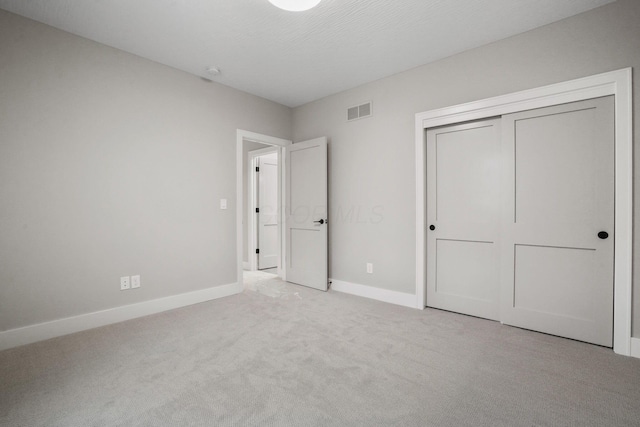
(257, 210)
(257, 251)
(257, 169)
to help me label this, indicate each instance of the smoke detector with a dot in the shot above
(213, 71)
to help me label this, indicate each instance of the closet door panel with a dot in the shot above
(558, 220)
(463, 208)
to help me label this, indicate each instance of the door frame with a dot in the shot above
(252, 229)
(617, 83)
(241, 137)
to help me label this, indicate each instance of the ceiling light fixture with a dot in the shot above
(295, 5)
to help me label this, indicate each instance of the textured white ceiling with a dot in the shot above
(294, 58)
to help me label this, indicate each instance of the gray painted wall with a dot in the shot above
(112, 165)
(372, 160)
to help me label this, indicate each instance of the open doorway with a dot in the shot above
(262, 213)
(260, 193)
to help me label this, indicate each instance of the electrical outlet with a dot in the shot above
(135, 282)
(125, 283)
(369, 268)
(223, 203)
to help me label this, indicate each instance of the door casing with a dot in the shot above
(617, 83)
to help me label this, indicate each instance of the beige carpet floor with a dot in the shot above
(283, 355)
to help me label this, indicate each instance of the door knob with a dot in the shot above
(320, 222)
(603, 234)
(432, 227)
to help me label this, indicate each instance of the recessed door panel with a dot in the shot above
(304, 251)
(466, 275)
(548, 282)
(467, 174)
(555, 160)
(303, 170)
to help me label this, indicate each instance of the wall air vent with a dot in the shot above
(359, 111)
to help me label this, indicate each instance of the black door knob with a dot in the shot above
(432, 227)
(319, 222)
(603, 234)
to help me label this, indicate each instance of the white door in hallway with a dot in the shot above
(267, 194)
(307, 214)
(558, 220)
(463, 188)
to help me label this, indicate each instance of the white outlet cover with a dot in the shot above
(135, 282)
(223, 203)
(369, 267)
(125, 283)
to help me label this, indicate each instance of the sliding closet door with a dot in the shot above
(558, 220)
(463, 210)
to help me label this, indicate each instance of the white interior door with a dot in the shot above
(267, 203)
(463, 188)
(306, 213)
(557, 263)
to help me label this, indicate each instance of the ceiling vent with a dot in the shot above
(359, 111)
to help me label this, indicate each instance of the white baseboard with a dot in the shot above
(42, 331)
(246, 265)
(635, 347)
(385, 295)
